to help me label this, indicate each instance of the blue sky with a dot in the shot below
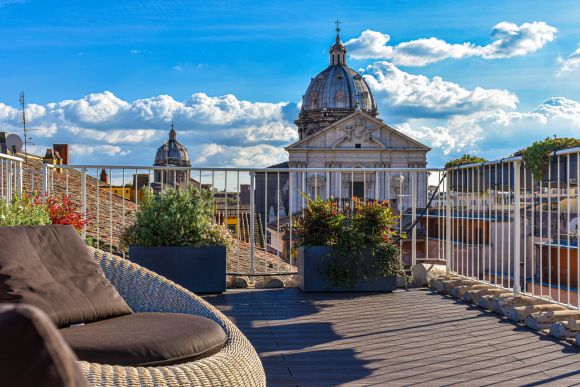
(108, 77)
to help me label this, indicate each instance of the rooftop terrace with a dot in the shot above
(403, 338)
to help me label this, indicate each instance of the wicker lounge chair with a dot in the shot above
(237, 364)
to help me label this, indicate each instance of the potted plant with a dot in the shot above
(539, 158)
(347, 251)
(174, 235)
(33, 211)
(23, 211)
(467, 179)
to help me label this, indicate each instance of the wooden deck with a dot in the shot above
(411, 337)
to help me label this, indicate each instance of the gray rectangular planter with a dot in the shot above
(198, 269)
(313, 262)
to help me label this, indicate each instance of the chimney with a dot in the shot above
(104, 177)
(3, 147)
(63, 151)
(140, 180)
(49, 157)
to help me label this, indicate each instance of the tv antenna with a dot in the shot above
(24, 129)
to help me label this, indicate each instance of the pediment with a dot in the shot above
(355, 131)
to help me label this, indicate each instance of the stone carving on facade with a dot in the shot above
(359, 131)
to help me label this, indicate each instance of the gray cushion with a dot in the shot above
(51, 268)
(32, 352)
(146, 339)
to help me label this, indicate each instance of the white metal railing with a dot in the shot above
(256, 204)
(10, 176)
(513, 231)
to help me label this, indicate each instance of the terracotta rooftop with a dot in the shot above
(108, 215)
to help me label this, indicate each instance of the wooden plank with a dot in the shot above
(405, 337)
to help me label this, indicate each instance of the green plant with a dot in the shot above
(321, 223)
(363, 239)
(536, 157)
(22, 211)
(464, 160)
(176, 217)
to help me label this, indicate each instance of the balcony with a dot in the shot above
(414, 337)
(490, 226)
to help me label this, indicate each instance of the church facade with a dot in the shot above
(339, 127)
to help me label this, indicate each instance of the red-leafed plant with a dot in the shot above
(62, 210)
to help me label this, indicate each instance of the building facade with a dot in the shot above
(339, 127)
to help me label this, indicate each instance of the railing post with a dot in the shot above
(414, 219)
(517, 227)
(8, 180)
(84, 200)
(252, 214)
(44, 180)
(19, 178)
(448, 241)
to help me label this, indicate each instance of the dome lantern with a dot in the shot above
(338, 50)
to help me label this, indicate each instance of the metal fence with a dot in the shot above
(258, 206)
(494, 222)
(10, 176)
(515, 230)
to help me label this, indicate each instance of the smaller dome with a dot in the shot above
(172, 152)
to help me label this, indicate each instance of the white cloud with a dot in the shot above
(8, 113)
(139, 52)
(207, 151)
(508, 40)
(251, 156)
(570, 64)
(499, 133)
(109, 150)
(104, 123)
(400, 94)
(4, 3)
(370, 45)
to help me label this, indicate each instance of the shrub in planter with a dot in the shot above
(347, 250)
(538, 158)
(174, 235)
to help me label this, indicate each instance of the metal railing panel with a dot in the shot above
(517, 232)
(258, 205)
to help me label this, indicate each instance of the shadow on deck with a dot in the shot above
(402, 338)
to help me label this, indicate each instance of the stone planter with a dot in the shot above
(313, 263)
(198, 269)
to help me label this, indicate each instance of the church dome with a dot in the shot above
(335, 93)
(338, 87)
(172, 152)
